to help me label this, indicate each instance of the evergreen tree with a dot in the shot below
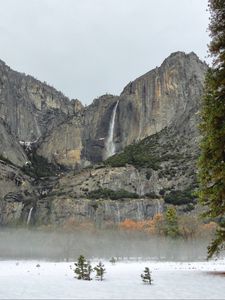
(100, 271)
(112, 260)
(88, 274)
(82, 269)
(171, 220)
(212, 159)
(146, 277)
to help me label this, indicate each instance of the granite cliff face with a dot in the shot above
(28, 105)
(164, 96)
(81, 140)
(10, 148)
(161, 97)
(30, 108)
(156, 114)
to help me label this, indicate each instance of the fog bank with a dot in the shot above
(64, 246)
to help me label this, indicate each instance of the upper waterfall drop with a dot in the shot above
(110, 145)
(29, 216)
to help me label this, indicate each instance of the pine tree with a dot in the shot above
(88, 274)
(212, 159)
(146, 277)
(82, 269)
(100, 271)
(112, 260)
(171, 220)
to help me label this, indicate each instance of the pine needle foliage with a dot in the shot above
(212, 159)
(112, 260)
(171, 222)
(100, 271)
(146, 276)
(82, 269)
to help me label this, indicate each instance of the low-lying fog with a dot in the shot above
(61, 246)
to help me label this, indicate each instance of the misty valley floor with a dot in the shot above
(172, 280)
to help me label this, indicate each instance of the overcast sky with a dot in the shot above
(87, 48)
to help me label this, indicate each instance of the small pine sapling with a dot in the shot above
(87, 275)
(112, 260)
(146, 277)
(100, 271)
(82, 269)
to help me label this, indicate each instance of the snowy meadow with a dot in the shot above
(40, 265)
(171, 280)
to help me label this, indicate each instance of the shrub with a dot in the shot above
(139, 154)
(189, 207)
(110, 194)
(180, 197)
(162, 192)
(154, 226)
(40, 167)
(148, 174)
(132, 225)
(152, 195)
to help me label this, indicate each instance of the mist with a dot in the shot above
(67, 246)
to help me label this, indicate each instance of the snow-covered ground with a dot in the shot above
(172, 280)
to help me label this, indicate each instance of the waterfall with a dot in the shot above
(110, 146)
(29, 216)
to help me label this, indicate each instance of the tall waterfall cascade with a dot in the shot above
(110, 145)
(29, 216)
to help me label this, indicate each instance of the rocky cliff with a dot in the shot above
(167, 95)
(30, 108)
(150, 129)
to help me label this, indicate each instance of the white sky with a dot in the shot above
(87, 48)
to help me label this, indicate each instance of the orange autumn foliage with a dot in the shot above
(153, 226)
(131, 225)
(72, 224)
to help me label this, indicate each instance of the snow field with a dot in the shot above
(171, 280)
